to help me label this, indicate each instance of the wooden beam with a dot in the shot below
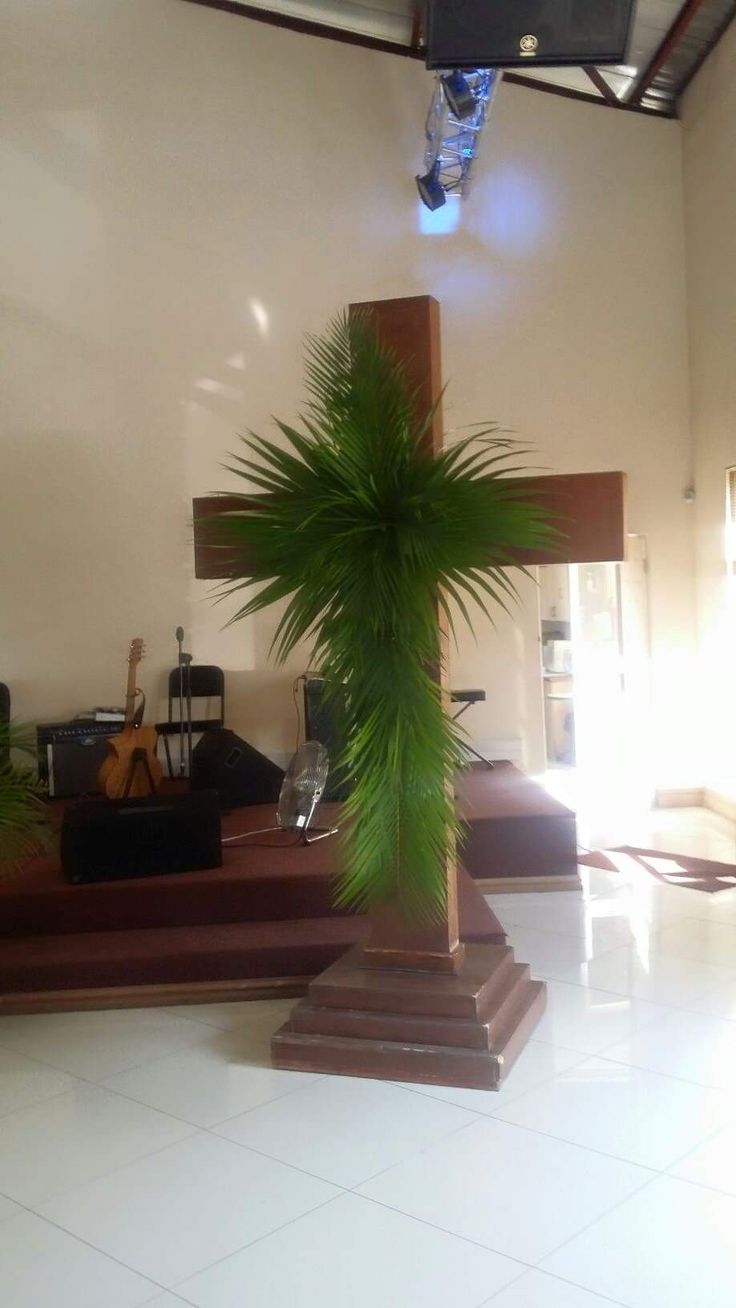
(596, 77)
(589, 508)
(668, 43)
(410, 328)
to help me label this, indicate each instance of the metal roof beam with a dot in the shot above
(670, 40)
(600, 84)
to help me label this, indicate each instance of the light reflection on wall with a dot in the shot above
(511, 211)
(260, 314)
(213, 387)
(438, 222)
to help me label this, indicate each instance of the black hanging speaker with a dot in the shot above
(241, 775)
(118, 839)
(518, 33)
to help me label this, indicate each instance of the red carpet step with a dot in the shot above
(266, 915)
(517, 832)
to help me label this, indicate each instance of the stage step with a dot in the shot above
(267, 913)
(166, 955)
(243, 890)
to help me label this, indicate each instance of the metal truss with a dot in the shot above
(452, 142)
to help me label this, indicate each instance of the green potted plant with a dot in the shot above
(23, 821)
(365, 535)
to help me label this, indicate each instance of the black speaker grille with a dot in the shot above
(489, 33)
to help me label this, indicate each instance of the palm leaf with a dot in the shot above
(363, 532)
(23, 821)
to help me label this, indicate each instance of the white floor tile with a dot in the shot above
(208, 1083)
(509, 1189)
(173, 1214)
(353, 1252)
(693, 1046)
(23, 1081)
(603, 922)
(548, 953)
(7, 1209)
(43, 1267)
(76, 1137)
(536, 1064)
(538, 1290)
(660, 978)
(578, 1017)
(97, 1045)
(225, 1016)
(717, 1003)
(717, 908)
(707, 941)
(712, 1164)
(671, 1246)
(622, 1111)
(345, 1129)
(166, 1300)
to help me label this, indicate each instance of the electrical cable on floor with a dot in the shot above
(262, 844)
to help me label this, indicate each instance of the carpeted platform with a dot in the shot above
(265, 919)
(263, 923)
(518, 836)
(673, 869)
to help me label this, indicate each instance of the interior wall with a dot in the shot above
(709, 148)
(185, 194)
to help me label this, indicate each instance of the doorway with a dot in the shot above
(595, 669)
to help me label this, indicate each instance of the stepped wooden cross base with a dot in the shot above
(465, 1029)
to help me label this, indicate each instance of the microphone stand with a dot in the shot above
(186, 661)
(180, 640)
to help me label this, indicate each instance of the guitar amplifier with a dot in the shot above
(70, 755)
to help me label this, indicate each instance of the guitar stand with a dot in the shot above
(138, 759)
(465, 698)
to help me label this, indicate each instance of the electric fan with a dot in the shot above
(301, 791)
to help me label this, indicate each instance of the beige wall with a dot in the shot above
(709, 149)
(185, 193)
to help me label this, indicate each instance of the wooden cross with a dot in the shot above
(371, 1014)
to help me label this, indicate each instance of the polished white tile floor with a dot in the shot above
(154, 1157)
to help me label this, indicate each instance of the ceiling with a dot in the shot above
(669, 42)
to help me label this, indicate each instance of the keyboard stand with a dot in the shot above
(465, 698)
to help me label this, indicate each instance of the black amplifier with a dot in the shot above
(70, 755)
(117, 839)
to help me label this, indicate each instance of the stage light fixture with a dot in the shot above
(458, 94)
(451, 139)
(430, 188)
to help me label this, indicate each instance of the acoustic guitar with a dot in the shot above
(132, 767)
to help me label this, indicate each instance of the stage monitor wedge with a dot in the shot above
(525, 33)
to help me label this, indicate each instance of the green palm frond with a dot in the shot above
(362, 531)
(23, 822)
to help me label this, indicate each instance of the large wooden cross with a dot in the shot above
(420, 1004)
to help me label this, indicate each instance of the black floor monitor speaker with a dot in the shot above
(513, 33)
(224, 762)
(118, 839)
